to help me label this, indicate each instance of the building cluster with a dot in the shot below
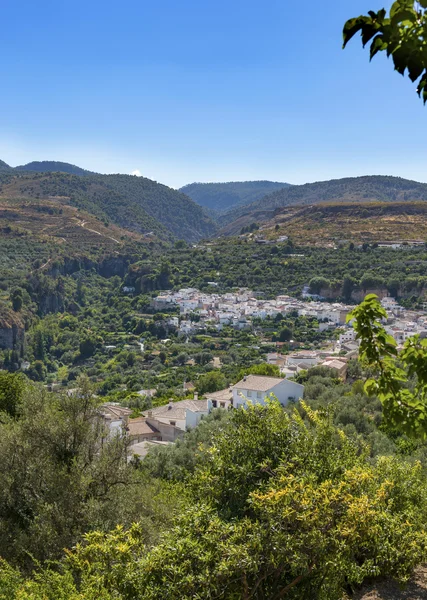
(402, 323)
(165, 424)
(240, 308)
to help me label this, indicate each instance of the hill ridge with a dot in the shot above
(135, 203)
(223, 196)
(48, 166)
(364, 188)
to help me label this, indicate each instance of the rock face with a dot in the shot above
(12, 331)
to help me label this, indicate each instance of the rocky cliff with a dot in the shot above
(12, 331)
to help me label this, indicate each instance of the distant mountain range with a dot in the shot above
(44, 166)
(135, 203)
(222, 197)
(350, 189)
(196, 211)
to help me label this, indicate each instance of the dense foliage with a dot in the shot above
(399, 377)
(63, 474)
(136, 203)
(278, 508)
(401, 33)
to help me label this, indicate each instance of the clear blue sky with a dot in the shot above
(204, 90)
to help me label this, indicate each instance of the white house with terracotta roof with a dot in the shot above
(221, 399)
(258, 389)
(183, 414)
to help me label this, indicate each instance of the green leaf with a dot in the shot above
(399, 6)
(415, 68)
(352, 26)
(404, 15)
(377, 45)
(400, 60)
(368, 33)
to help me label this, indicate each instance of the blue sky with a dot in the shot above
(203, 90)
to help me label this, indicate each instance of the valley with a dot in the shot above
(125, 304)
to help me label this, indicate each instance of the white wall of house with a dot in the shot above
(285, 392)
(215, 403)
(180, 423)
(192, 419)
(299, 358)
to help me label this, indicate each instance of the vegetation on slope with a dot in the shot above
(135, 203)
(330, 224)
(44, 166)
(4, 166)
(351, 189)
(281, 505)
(224, 196)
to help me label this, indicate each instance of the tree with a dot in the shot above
(280, 508)
(348, 285)
(211, 382)
(400, 380)
(11, 392)
(317, 284)
(285, 334)
(17, 299)
(370, 281)
(264, 369)
(87, 347)
(203, 358)
(80, 291)
(401, 33)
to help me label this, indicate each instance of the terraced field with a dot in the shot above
(328, 224)
(56, 222)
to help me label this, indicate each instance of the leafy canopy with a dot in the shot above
(401, 33)
(400, 380)
(278, 508)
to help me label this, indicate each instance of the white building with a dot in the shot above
(308, 357)
(184, 414)
(258, 389)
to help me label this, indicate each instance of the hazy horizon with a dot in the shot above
(197, 92)
(252, 177)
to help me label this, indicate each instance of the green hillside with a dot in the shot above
(45, 166)
(351, 189)
(4, 166)
(224, 196)
(135, 203)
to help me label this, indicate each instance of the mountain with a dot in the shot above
(224, 196)
(334, 223)
(351, 189)
(4, 166)
(134, 203)
(45, 166)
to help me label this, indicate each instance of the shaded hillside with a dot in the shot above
(45, 166)
(224, 196)
(4, 166)
(135, 203)
(351, 189)
(330, 224)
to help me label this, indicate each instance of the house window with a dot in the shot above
(214, 403)
(222, 404)
(249, 394)
(259, 395)
(172, 423)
